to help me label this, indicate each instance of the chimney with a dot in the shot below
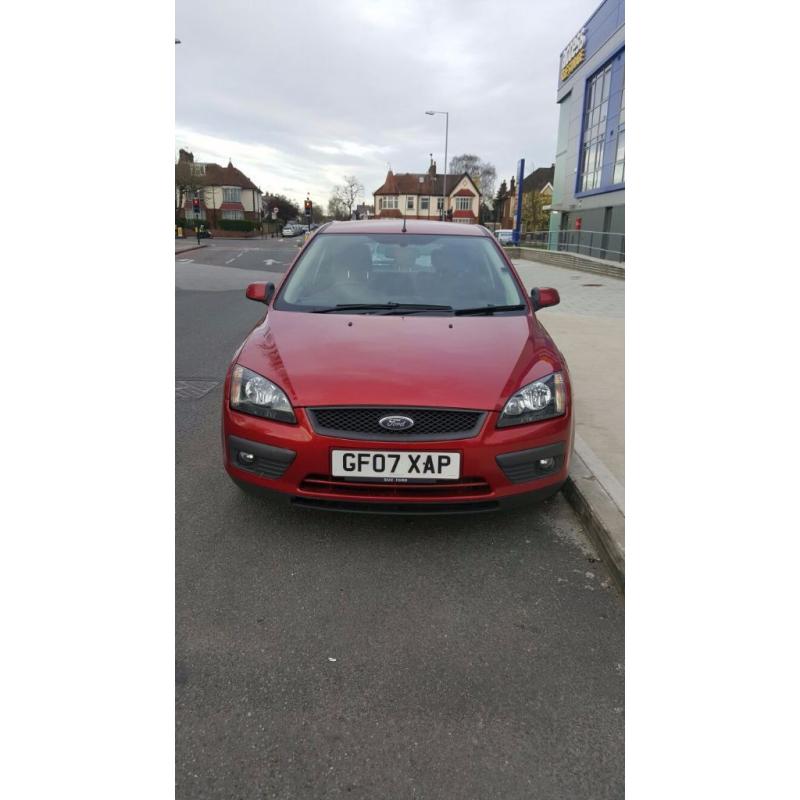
(185, 155)
(513, 185)
(432, 169)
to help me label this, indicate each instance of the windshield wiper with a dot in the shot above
(380, 307)
(416, 308)
(487, 309)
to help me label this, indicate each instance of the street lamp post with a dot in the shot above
(446, 132)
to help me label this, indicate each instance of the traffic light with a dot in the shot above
(307, 206)
(196, 205)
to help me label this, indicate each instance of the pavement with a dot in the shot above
(329, 655)
(588, 326)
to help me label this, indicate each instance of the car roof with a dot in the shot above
(395, 225)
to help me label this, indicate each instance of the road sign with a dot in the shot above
(518, 212)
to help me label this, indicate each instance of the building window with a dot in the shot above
(619, 160)
(439, 203)
(389, 202)
(424, 203)
(231, 194)
(409, 203)
(233, 215)
(198, 169)
(594, 129)
(463, 203)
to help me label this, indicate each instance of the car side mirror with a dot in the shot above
(544, 298)
(260, 292)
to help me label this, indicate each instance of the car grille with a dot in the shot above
(430, 424)
(329, 485)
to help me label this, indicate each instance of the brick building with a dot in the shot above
(419, 196)
(224, 192)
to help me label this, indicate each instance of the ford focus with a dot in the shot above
(399, 368)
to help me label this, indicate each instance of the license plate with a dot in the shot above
(397, 465)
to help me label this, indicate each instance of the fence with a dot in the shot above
(597, 244)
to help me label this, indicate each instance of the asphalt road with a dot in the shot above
(251, 254)
(323, 655)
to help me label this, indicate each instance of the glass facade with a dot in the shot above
(619, 160)
(602, 155)
(595, 116)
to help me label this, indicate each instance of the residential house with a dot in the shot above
(224, 192)
(420, 196)
(363, 211)
(537, 195)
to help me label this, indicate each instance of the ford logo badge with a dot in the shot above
(396, 423)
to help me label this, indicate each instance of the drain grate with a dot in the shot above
(194, 388)
(591, 284)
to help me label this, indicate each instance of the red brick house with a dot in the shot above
(419, 196)
(538, 184)
(224, 192)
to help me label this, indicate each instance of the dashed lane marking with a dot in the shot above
(193, 389)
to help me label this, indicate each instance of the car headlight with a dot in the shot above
(254, 394)
(539, 400)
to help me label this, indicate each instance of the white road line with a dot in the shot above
(615, 490)
(185, 260)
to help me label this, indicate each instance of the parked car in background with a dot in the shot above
(504, 235)
(293, 229)
(399, 372)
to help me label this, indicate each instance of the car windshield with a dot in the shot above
(386, 272)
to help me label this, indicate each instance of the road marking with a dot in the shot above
(240, 253)
(185, 260)
(193, 389)
(272, 261)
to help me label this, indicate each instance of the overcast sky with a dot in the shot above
(300, 94)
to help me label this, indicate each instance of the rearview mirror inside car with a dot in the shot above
(543, 298)
(260, 292)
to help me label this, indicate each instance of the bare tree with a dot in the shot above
(348, 194)
(336, 207)
(482, 172)
(187, 182)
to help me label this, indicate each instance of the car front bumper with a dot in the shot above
(499, 466)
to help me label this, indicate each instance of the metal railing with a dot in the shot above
(596, 244)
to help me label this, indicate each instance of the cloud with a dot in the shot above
(299, 101)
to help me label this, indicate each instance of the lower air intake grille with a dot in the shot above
(327, 484)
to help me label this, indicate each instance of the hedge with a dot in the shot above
(222, 224)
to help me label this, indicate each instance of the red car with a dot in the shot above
(399, 368)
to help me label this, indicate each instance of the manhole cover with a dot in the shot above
(193, 389)
(591, 284)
